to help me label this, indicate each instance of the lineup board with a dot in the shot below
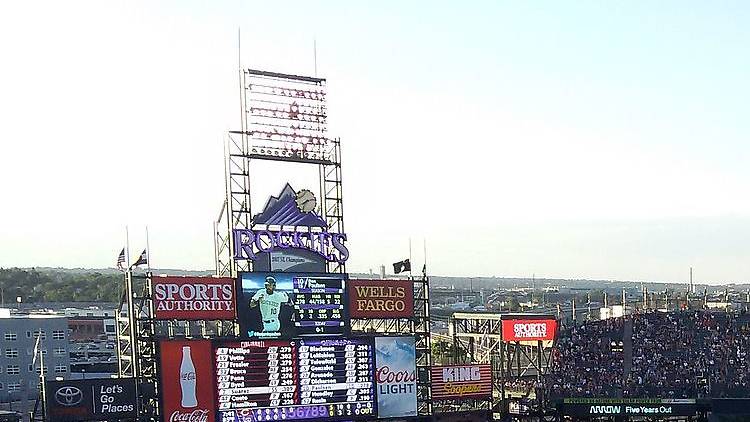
(319, 304)
(302, 379)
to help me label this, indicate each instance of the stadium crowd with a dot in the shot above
(686, 354)
(587, 362)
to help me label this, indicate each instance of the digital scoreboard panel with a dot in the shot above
(288, 305)
(319, 304)
(274, 380)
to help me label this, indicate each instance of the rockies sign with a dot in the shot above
(290, 224)
(91, 400)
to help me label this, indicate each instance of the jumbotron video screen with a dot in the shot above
(286, 305)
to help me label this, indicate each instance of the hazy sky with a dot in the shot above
(564, 139)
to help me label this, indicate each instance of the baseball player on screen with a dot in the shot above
(270, 302)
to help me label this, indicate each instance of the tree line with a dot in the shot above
(34, 286)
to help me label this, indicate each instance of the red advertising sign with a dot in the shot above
(462, 382)
(187, 381)
(194, 297)
(529, 329)
(381, 298)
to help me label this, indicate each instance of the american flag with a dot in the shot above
(121, 260)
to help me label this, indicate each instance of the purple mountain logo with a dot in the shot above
(284, 210)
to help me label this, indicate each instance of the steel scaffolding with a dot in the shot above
(284, 119)
(478, 338)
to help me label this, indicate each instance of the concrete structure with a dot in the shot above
(19, 380)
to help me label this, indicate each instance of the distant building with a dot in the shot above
(91, 323)
(19, 380)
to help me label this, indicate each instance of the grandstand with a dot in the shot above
(675, 355)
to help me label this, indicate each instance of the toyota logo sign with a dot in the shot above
(68, 396)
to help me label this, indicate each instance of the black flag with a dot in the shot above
(402, 266)
(141, 260)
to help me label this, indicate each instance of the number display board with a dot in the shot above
(286, 305)
(273, 380)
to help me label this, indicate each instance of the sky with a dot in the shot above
(575, 140)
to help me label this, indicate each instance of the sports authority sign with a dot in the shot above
(194, 298)
(529, 329)
(187, 381)
(462, 382)
(92, 399)
(381, 298)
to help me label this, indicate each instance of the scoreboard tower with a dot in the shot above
(284, 120)
(288, 349)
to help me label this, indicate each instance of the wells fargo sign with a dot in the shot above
(529, 329)
(191, 298)
(462, 382)
(381, 298)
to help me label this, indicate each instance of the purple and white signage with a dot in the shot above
(292, 210)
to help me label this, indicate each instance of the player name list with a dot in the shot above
(301, 379)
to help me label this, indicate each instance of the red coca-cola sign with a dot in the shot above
(194, 298)
(187, 381)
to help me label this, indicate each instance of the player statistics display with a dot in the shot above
(286, 305)
(270, 380)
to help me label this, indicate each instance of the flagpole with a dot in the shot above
(148, 253)
(410, 257)
(127, 247)
(424, 245)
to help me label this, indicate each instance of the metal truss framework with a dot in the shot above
(136, 342)
(477, 338)
(419, 327)
(284, 119)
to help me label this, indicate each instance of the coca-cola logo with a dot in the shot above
(385, 375)
(197, 415)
